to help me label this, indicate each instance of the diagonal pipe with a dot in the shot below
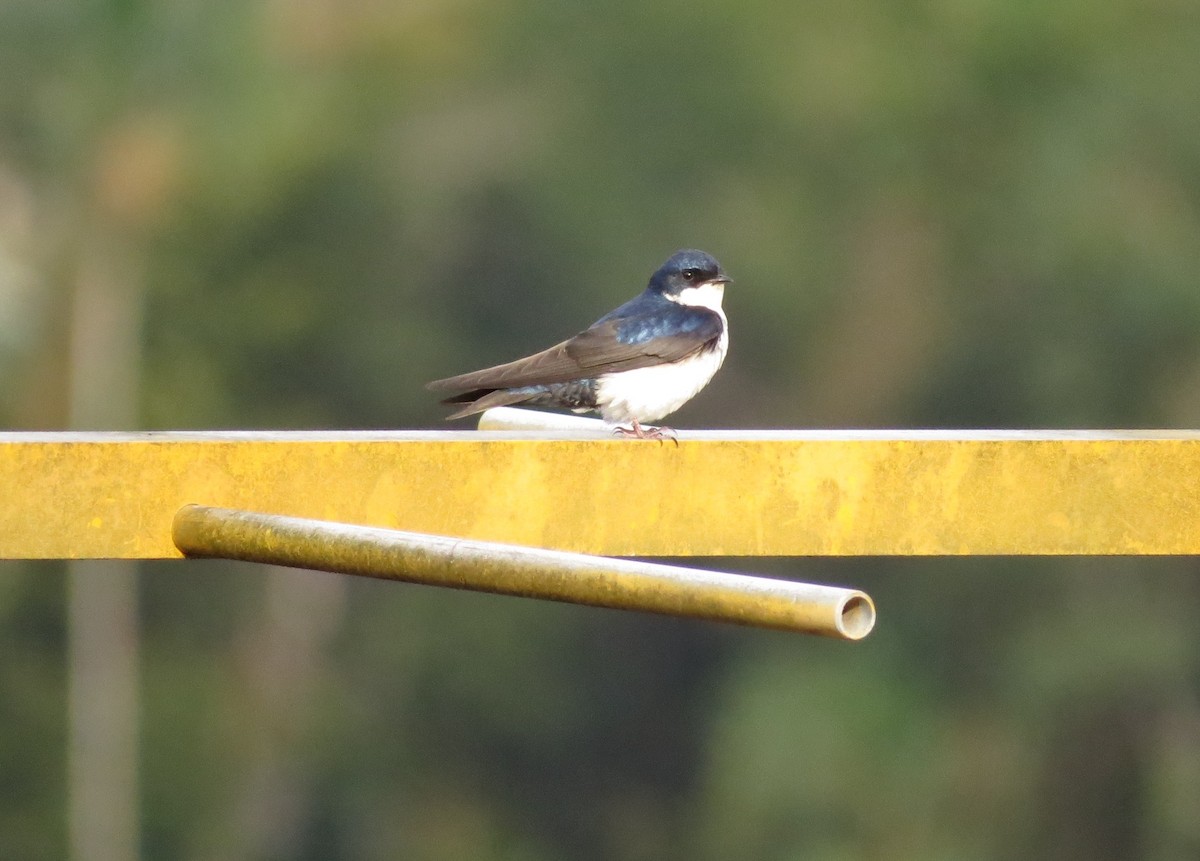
(508, 569)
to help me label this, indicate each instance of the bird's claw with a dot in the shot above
(639, 432)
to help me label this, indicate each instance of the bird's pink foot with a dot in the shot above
(639, 432)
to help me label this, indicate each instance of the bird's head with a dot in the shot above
(691, 278)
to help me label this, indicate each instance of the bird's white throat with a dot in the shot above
(707, 295)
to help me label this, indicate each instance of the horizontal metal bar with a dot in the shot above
(529, 572)
(716, 493)
(515, 419)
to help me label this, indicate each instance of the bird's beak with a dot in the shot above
(721, 279)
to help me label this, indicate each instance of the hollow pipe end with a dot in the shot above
(855, 615)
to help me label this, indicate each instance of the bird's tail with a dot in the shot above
(480, 400)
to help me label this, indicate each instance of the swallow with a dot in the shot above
(634, 365)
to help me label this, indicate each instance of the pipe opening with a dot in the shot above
(856, 617)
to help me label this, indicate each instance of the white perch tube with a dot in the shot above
(514, 419)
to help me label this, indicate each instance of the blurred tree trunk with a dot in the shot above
(102, 595)
(285, 661)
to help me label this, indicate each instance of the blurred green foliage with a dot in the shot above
(969, 213)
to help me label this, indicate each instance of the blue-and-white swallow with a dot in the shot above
(636, 364)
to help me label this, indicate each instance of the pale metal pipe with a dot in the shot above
(514, 419)
(509, 569)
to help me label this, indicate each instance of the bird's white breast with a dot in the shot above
(648, 394)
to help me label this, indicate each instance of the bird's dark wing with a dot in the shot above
(623, 344)
(666, 334)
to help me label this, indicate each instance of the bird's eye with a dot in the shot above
(691, 274)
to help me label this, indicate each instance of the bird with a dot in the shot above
(636, 364)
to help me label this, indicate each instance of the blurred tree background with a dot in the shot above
(965, 214)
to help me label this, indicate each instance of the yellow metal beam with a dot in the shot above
(714, 494)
